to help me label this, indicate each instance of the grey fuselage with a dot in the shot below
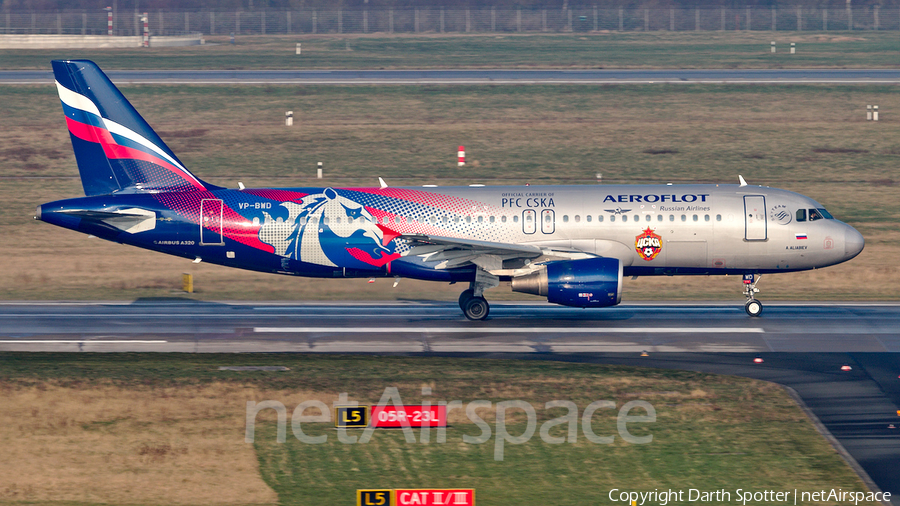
(352, 232)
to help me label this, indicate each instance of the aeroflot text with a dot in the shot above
(690, 197)
(741, 496)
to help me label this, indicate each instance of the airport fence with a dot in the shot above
(439, 20)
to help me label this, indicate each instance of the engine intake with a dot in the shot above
(591, 282)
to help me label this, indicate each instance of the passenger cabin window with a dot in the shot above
(600, 218)
(659, 217)
(588, 218)
(624, 217)
(801, 214)
(649, 217)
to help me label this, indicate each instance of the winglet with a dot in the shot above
(382, 183)
(741, 178)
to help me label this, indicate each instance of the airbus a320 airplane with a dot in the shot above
(571, 244)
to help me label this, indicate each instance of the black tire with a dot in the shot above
(477, 308)
(464, 297)
(753, 307)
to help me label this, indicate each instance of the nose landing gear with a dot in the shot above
(753, 306)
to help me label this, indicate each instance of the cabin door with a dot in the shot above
(211, 222)
(755, 226)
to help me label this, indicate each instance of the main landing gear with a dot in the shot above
(753, 306)
(475, 308)
(472, 301)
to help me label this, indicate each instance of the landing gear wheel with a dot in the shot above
(464, 297)
(753, 307)
(477, 308)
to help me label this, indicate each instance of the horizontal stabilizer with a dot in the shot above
(132, 220)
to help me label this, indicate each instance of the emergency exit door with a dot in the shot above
(211, 222)
(755, 226)
(528, 221)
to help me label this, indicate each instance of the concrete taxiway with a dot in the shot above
(841, 359)
(481, 76)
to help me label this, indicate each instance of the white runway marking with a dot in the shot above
(510, 330)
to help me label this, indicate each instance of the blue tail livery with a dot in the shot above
(116, 149)
(573, 245)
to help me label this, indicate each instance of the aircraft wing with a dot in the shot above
(453, 252)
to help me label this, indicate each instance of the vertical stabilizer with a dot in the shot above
(116, 149)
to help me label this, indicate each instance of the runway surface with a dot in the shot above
(486, 76)
(189, 326)
(802, 346)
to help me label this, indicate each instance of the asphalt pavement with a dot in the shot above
(480, 76)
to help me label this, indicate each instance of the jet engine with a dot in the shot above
(590, 282)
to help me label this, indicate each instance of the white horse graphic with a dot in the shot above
(317, 220)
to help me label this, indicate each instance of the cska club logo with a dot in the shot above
(648, 244)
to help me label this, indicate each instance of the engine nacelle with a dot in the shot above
(591, 282)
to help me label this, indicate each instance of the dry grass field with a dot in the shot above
(102, 443)
(811, 139)
(136, 429)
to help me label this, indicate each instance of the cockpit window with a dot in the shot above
(814, 215)
(825, 213)
(801, 214)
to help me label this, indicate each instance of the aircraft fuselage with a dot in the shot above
(357, 232)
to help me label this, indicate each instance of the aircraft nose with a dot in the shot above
(853, 243)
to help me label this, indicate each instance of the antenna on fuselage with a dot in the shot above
(741, 179)
(381, 182)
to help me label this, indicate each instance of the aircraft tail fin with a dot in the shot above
(115, 148)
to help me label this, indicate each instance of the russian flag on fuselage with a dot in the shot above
(115, 148)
